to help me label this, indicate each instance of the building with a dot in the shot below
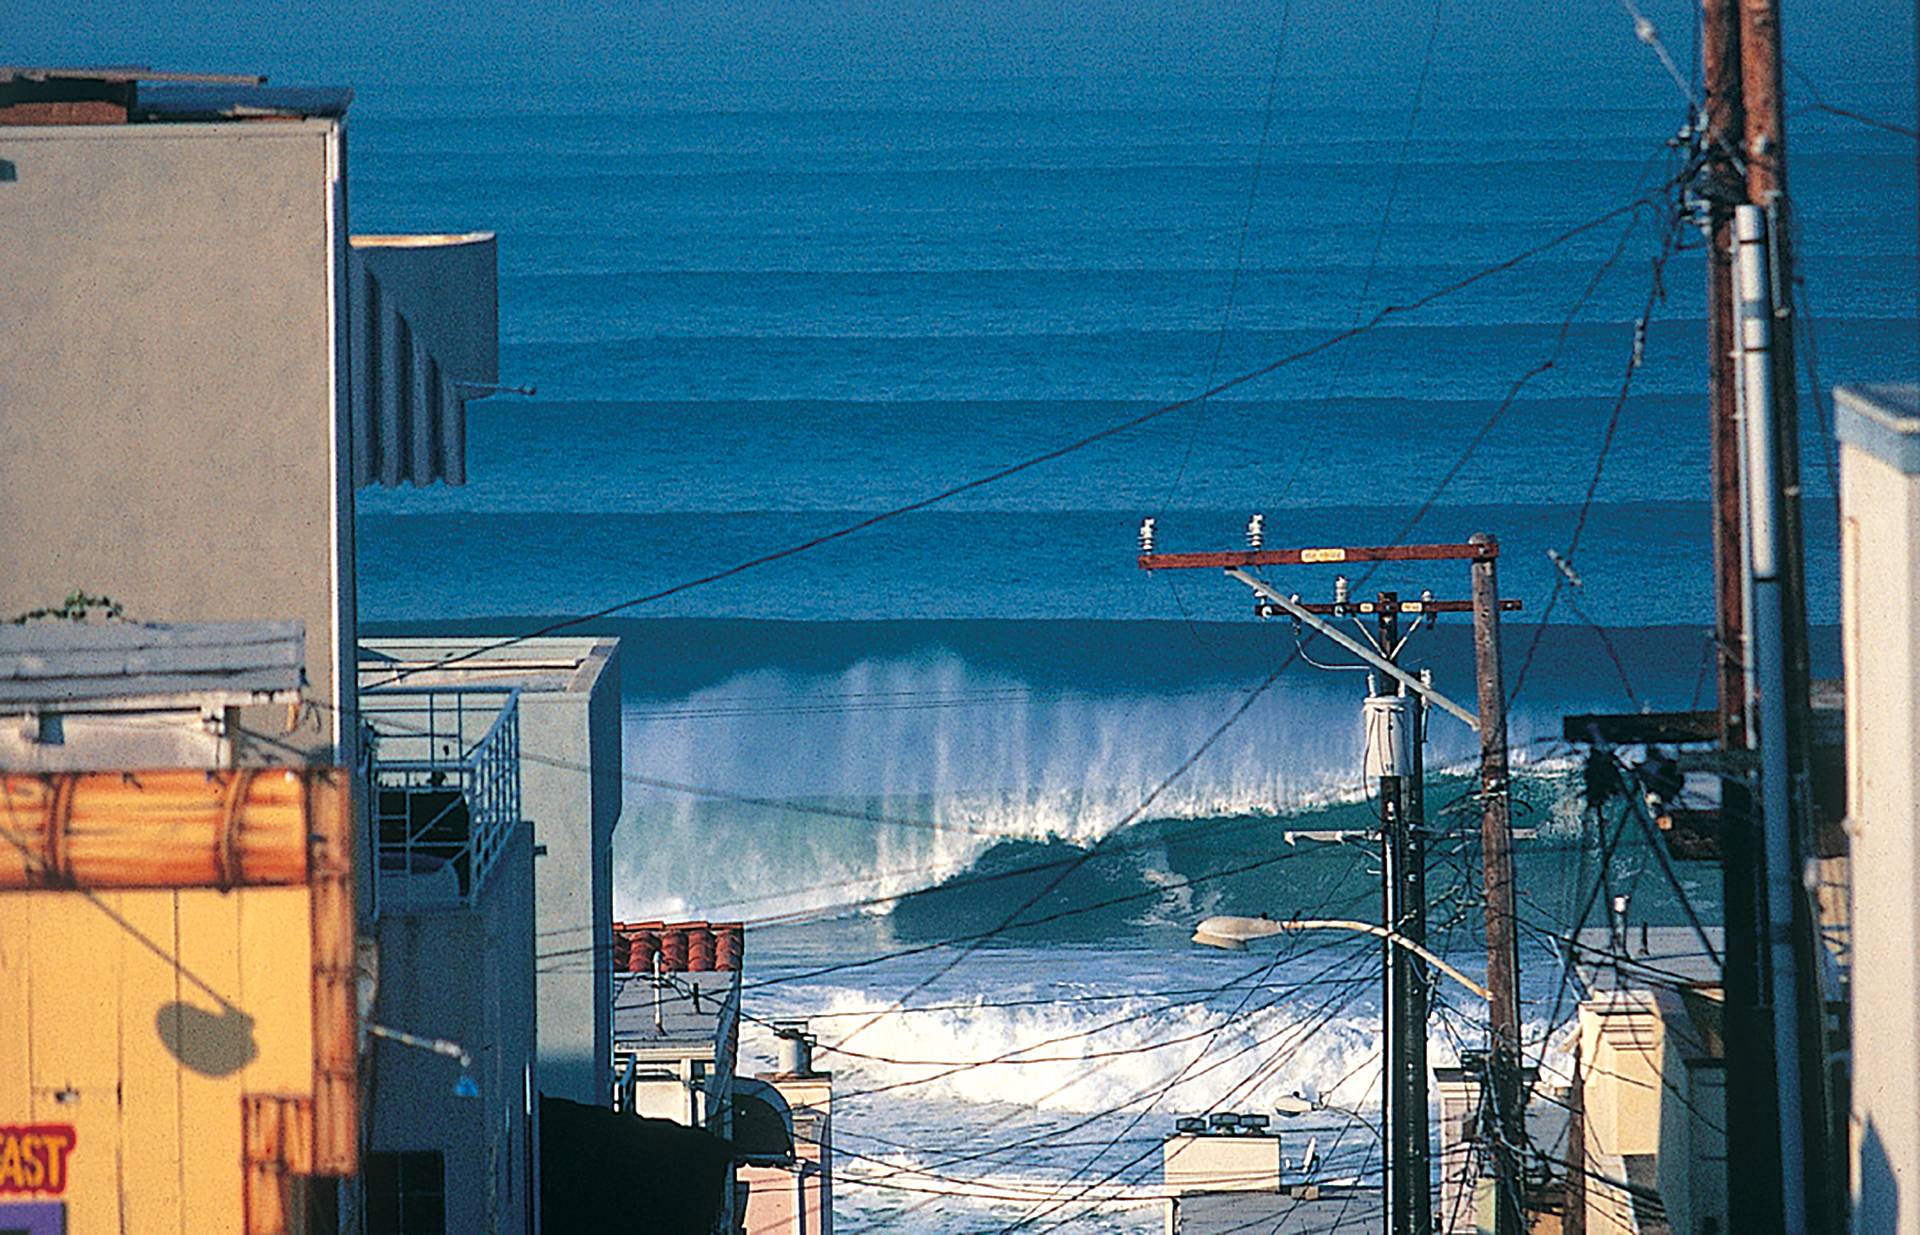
(177, 1046)
(1879, 431)
(783, 1128)
(1225, 1173)
(172, 355)
(676, 1031)
(568, 718)
(1650, 1084)
(451, 1103)
(676, 1042)
(198, 368)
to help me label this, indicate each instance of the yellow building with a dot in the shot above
(177, 1037)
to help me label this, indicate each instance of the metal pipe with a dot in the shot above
(1767, 628)
(1233, 932)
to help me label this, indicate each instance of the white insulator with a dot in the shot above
(1256, 531)
(1340, 587)
(1146, 535)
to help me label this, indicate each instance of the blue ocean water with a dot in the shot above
(758, 312)
(775, 268)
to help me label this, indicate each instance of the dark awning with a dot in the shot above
(607, 1172)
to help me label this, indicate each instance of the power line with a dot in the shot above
(1379, 242)
(1240, 251)
(1656, 293)
(1328, 343)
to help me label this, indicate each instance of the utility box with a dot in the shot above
(1389, 721)
(1215, 1162)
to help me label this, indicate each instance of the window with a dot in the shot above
(406, 1193)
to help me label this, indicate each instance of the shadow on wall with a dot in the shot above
(1878, 1206)
(212, 1044)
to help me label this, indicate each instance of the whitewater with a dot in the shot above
(772, 276)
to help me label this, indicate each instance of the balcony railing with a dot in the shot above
(446, 778)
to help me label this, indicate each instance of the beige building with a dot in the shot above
(1879, 430)
(197, 369)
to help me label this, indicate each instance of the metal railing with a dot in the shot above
(446, 790)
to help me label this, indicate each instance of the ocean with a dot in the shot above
(772, 269)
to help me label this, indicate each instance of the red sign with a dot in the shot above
(33, 1158)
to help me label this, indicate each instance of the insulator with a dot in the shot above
(1256, 531)
(1146, 535)
(1340, 586)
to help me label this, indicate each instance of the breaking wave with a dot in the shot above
(807, 777)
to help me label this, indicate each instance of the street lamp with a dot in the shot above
(1234, 933)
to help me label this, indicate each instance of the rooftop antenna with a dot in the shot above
(659, 983)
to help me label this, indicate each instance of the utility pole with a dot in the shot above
(1394, 738)
(1786, 751)
(1402, 844)
(1779, 851)
(1753, 1201)
(1503, 1080)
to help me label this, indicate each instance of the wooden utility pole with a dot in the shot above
(1402, 815)
(1503, 1080)
(1723, 188)
(1753, 1200)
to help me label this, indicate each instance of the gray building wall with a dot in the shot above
(465, 975)
(574, 813)
(570, 790)
(172, 426)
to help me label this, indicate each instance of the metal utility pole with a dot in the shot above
(1503, 1081)
(1791, 1002)
(1394, 738)
(1767, 292)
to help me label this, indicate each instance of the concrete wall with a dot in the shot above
(574, 813)
(464, 975)
(1651, 1091)
(172, 433)
(1880, 613)
(796, 1198)
(570, 790)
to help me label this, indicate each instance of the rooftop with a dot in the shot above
(543, 665)
(137, 94)
(1881, 418)
(691, 1006)
(1666, 956)
(55, 666)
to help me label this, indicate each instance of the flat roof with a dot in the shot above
(119, 94)
(223, 102)
(672, 1028)
(544, 664)
(1665, 956)
(1883, 419)
(130, 665)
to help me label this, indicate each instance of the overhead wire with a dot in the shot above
(1239, 256)
(1327, 343)
(1379, 241)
